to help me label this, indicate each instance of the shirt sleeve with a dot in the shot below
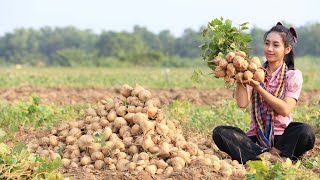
(294, 84)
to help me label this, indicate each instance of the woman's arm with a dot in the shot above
(282, 107)
(242, 95)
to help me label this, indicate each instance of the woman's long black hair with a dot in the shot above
(289, 36)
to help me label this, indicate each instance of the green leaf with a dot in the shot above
(55, 164)
(4, 149)
(13, 127)
(204, 32)
(277, 167)
(33, 158)
(212, 45)
(221, 41)
(258, 166)
(228, 23)
(19, 147)
(234, 29)
(244, 24)
(2, 133)
(297, 164)
(244, 28)
(203, 46)
(221, 54)
(35, 98)
(233, 46)
(216, 22)
(196, 75)
(247, 38)
(54, 176)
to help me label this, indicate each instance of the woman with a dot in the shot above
(272, 133)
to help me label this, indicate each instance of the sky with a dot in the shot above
(155, 15)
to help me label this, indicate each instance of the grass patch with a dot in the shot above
(156, 78)
(17, 163)
(205, 118)
(31, 113)
(281, 170)
(151, 77)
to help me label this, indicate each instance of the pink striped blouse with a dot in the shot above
(293, 89)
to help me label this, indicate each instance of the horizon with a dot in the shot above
(155, 16)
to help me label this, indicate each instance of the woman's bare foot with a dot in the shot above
(271, 157)
(275, 151)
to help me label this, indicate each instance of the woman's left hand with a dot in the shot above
(252, 83)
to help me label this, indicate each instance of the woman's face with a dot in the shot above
(274, 49)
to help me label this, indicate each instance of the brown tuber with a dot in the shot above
(136, 90)
(239, 77)
(241, 53)
(216, 60)
(252, 67)
(219, 72)
(144, 95)
(244, 66)
(125, 90)
(238, 62)
(259, 75)
(223, 63)
(230, 56)
(256, 60)
(247, 75)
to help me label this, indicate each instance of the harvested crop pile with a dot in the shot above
(235, 67)
(129, 134)
(225, 50)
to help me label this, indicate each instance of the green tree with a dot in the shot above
(150, 39)
(167, 41)
(256, 44)
(188, 44)
(308, 40)
(113, 44)
(74, 57)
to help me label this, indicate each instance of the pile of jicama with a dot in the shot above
(235, 67)
(130, 134)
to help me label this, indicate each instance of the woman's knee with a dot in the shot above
(219, 130)
(307, 130)
(307, 135)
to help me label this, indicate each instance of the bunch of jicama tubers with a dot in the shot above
(236, 68)
(129, 134)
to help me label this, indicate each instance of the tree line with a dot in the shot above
(70, 46)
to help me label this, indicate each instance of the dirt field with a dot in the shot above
(91, 95)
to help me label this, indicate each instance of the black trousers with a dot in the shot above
(293, 143)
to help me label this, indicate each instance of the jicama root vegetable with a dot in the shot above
(219, 72)
(230, 56)
(125, 90)
(239, 77)
(259, 75)
(256, 60)
(216, 60)
(236, 67)
(223, 63)
(116, 136)
(247, 75)
(238, 62)
(241, 53)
